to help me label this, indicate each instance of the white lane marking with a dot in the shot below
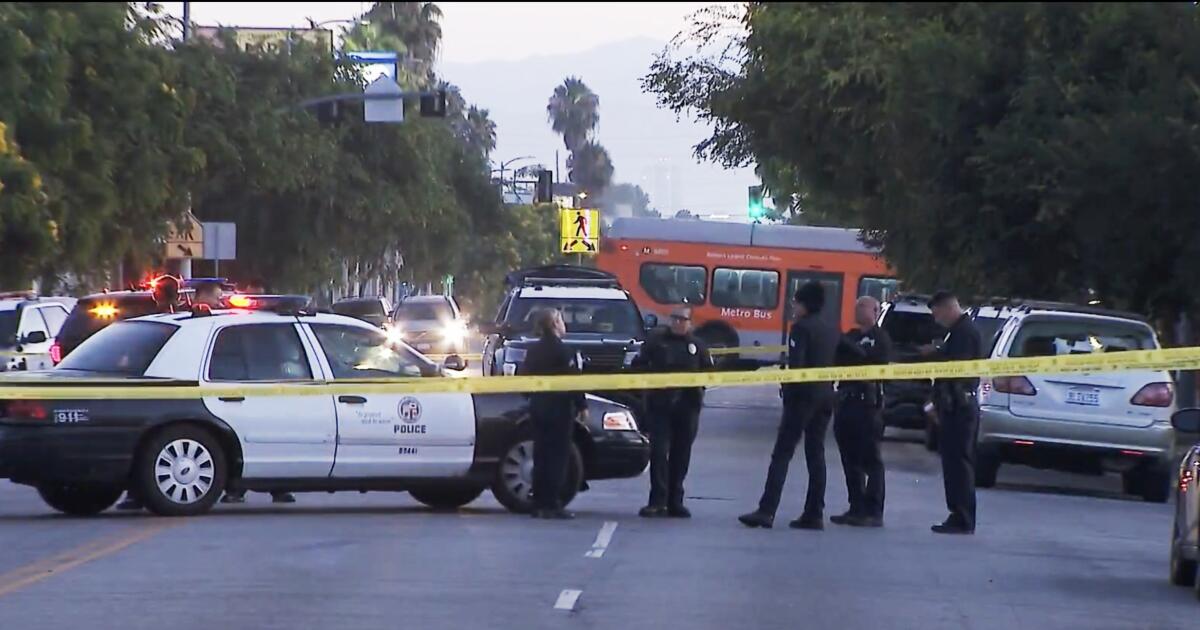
(602, 540)
(567, 599)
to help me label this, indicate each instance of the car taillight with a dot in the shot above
(1154, 395)
(56, 352)
(25, 410)
(1018, 385)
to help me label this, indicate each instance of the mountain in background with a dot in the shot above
(648, 146)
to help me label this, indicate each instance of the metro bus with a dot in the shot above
(739, 277)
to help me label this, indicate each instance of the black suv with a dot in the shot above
(603, 323)
(909, 322)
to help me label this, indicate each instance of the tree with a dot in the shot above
(1033, 149)
(481, 131)
(574, 112)
(418, 25)
(591, 168)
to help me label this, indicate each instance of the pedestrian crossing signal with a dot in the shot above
(580, 232)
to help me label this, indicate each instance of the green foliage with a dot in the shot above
(1033, 149)
(574, 112)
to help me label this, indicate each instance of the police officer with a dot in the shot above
(857, 423)
(958, 412)
(553, 414)
(674, 414)
(807, 408)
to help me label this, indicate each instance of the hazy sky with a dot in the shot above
(479, 31)
(480, 40)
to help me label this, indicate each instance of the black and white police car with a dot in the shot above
(178, 456)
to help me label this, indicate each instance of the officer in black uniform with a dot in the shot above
(553, 414)
(673, 414)
(957, 411)
(807, 408)
(857, 422)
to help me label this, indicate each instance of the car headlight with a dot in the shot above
(619, 421)
(454, 332)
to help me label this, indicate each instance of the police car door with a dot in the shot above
(281, 436)
(393, 434)
(35, 337)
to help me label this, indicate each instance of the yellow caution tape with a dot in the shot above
(1172, 359)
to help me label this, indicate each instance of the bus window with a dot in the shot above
(881, 289)
(745, 288)
(673, 284)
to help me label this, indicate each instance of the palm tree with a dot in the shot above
(417, 24)
(573, 111)
(590, 168)
(481, 130)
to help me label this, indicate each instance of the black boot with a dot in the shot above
(808, 521)
(758, 519)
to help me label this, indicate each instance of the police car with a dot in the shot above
(178, 456)
(28, 327)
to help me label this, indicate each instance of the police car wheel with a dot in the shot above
(987, 468)
(513, 486)
(79, 500)
(180, 471)
(447, 497)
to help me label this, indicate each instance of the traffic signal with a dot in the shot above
(545, 187)
(433, 104)
(755, 208)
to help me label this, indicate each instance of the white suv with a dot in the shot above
(28, 326)
(1089, 422)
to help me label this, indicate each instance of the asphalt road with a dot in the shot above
(1052, 551)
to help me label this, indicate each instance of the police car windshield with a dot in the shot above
(8, 327)
(602, 317)
(125, 348)
(423, 311)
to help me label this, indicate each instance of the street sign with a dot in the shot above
(220, 241)
(185, 239)
(386, 110)
(580, 231)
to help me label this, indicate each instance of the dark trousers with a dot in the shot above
(857, 427)
(959, 426)
(551, 445)
(804, 418)
(672, 432)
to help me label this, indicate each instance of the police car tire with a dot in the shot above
(79, 500)
(1154, 486)
(446, 497)
(145, 464)
(987, 468)
(521, 504)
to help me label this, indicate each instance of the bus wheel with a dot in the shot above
(720, 337)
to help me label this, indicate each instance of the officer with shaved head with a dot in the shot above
(857, 420)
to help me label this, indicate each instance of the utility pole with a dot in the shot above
(187, 19)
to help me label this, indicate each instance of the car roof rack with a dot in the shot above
(562, 275)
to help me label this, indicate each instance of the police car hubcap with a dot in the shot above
(517, 469)
(184, 471)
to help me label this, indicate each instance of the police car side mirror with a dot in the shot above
(36, 336)
(1186, 420)
(650, 321)
(454, 362)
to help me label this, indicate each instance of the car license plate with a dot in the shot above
(70, 416)
(1085, 397)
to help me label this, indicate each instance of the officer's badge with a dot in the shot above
(691, 348)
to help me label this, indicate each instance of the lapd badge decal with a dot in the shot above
(409, 410)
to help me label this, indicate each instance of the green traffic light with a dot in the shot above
(755, 206)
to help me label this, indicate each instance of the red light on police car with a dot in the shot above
(26, 410)
(241, 301)
(56, 352)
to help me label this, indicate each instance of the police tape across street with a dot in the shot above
(32, 388)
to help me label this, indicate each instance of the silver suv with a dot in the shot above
(1088, 423)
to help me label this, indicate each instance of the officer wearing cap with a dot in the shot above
(857, 422)
(673, 414)
(807, 407)
(958, 412)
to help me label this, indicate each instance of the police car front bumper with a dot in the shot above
(618, 455)
(64, 454)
